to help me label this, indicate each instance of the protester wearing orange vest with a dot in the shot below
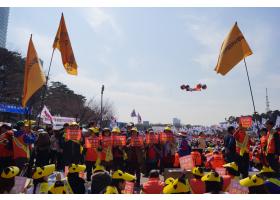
(154, 185)
(197, 185)
(196, 156)
(273, 147)
(22, 140)
(243, 143)
(6, 146)
(92, 154)
(217, 160)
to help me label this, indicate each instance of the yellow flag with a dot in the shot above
(233, 50)
(34, 77)
(62, 42)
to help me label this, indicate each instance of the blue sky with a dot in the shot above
(143, 55)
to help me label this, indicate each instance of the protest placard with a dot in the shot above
(119, 140)
(92, 142)
(236, 188)
(129, 188)
(20, 184)
(137, 141)
(152, 139)
(246, 122)
(186, 162)
(106, 141)
(164, 137)
(73, 134)
(221, 171)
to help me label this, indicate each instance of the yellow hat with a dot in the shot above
(197, 171)
(74, 124)
(167, 128)
(10, 172)
(124, 176)
(94, 130)
(73, 168)
(134, 129)
(111, 190)
(116, 130)
(266, 169)
(169, 181)
(211, 176)
(58, 188)
(43, 171)
(178, 186)
(27, 122)
(251, 181)
(231, 165)
(98, 168)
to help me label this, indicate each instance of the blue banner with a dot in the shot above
(14, 109)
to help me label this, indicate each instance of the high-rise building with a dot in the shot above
(4, 17)
(176, 122)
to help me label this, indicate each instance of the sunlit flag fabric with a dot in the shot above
(62, 42)
(139, 118)
(34, 77)
(233, 50)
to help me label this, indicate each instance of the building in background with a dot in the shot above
(4, 18)
(176, 122)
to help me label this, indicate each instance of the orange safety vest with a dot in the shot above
(270, 143)
(176, 160)
(197, 186)
(218, 161)
(21, 150)
(196, 158)
(92, 154)
(242, 142)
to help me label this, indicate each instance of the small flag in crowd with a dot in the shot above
(34, 77)
(133, 114)
(46, 114)
(139, 118)
(233, 50)
(62, 43)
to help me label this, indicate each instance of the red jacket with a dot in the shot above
(5, 138)
(197, 186)
(153, 186)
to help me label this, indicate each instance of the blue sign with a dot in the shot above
(14, 109)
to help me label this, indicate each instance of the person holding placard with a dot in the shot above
(243, 143)
(107, 143)
(118, 151)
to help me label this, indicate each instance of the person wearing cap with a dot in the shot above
(40, 179)
(129, 126)
(213, 183)
(272, 151)
(154, 185)
(76, 183)
(272, 180)
(7, 180)
(216, 161)
(100, 179)
(118, 152)
(255, 184)
(184, 147)
(243, 143)
(118, 182)
(22, 140)
(107, 149)
(42, 148)
(135, 156)
(92, 153)
(6, 146)
(201, 141)
(178, 186)
(196, 184)
(232, 175)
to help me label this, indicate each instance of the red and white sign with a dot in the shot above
(236, 188)
(221, 171)
(164, 137)
(246, 122)
(152, 139)
(107, 141)
(92, 142)
(129, 188)
(119, 140)
(73, 134)
(137, 141)
(186, 162)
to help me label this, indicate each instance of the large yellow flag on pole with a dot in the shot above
(62, 42)
(233, 50)
(34, 77)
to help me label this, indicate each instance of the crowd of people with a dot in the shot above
(110, 161)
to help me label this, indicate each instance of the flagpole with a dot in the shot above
(250, 86)
(45, 89)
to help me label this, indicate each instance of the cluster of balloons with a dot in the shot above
(198, 87)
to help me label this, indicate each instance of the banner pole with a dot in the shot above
(45, 89)
(250, 86)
